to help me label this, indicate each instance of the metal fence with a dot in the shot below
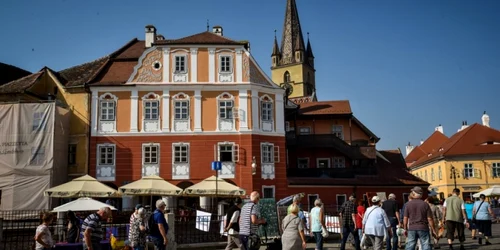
(198, 229)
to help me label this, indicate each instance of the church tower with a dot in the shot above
(293, 63)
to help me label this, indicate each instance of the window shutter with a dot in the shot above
(477, 173)
(236, 113)
(276, 157)
(236, 153)
(114, 110)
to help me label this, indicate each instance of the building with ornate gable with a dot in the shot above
(170, 107)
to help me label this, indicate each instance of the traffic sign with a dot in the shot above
(216, 165)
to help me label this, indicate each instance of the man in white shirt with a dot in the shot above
(232, 226)
(376, 224)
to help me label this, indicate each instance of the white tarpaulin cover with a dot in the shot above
(492, 191)
(82, 204)
(28, 136)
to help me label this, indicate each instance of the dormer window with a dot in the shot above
(180, 64)
(225, 64)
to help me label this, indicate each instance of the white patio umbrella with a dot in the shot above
(82, 204)
(211, 187)
(151, 185)
(492, 191)
(85, 186)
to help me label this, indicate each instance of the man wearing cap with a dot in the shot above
(390, 207)
(232, 227)
(417, 221)
(456, 218)
(133, 216)
(376, 223)
(348, 215)
(159, 229)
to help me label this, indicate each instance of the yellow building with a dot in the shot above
(67, 87)
(293, 65)
(469, 160)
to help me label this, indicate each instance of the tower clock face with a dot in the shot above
(288, 87)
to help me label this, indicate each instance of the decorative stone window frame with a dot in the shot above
(228, 167)
(225, 76)
(268, 166)
(336, 160)
(268, 124)
(149, 169)
(321, 159)
(179, 124)
(303, 158)
(180, 76)
(108, 125)
(273, 187)
(226, 124)
(105, 172)
(181, 170)
(150, 125)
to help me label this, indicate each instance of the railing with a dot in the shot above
(198, 229)
(330, 172)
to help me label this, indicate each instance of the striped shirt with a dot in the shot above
(93, 223)
(246, 226)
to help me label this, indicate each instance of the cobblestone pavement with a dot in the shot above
(469, 243)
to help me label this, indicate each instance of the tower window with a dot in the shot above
(286, 77)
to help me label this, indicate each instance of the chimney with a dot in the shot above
(439, 128)
(150, 35)
(217, 30)
(421, 141)
(464, 126)
(409, 148)
(486, 119)
(159, 37)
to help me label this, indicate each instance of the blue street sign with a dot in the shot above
(216, 165)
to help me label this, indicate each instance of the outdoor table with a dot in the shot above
(79, 246)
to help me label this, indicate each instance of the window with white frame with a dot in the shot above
(180, 64)
(37, 120)
(304, 130)
(37, 156)
(107, 110)
(432, 175)
(225, 64)
(337, 130)
(150, 153)
(323, 163)
(181, 153)
(228, 152)
(106, 155)
(268, 192)
(468, 170)
(495, 169)
(341, 198)
(267, 111)
(303, 162)
(226, 109)
(338, 162)
(181, 109)
(151, 109)
(440, 173)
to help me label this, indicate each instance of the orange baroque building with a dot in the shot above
(170, 107)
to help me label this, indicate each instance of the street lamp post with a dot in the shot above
(216, 166)
(454, 174)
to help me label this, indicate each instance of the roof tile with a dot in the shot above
(202, 38)
(21, 84)
(325, 108)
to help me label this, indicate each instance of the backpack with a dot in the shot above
(151, 225)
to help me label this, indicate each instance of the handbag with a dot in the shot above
(324, 232)
(474, 215)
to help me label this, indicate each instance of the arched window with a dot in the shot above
(286, 77)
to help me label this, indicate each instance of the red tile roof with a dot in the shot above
(431, 144)
(21, 84)
(394, 173)
(325, 108)
(474, 140)
(202, 38)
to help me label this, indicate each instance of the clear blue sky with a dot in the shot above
(405, 65)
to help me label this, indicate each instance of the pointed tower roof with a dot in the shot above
(292, 33)
(276, 48)
(309, 48)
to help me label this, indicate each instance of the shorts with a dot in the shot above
(451, 226)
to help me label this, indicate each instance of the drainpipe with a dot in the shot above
(350, 131)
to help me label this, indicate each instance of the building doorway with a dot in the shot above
(311, 198)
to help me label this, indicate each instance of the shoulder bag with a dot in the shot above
(474, 215)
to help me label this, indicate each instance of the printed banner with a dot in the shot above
(203, 220)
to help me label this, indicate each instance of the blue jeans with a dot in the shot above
(319, 240)
(244, 242)
(138, 248)
(394, 223)
(414, 235)
(158, 243)
(346, 230)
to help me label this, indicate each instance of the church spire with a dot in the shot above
(292, 38)
(276, 48)
(309, 48)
